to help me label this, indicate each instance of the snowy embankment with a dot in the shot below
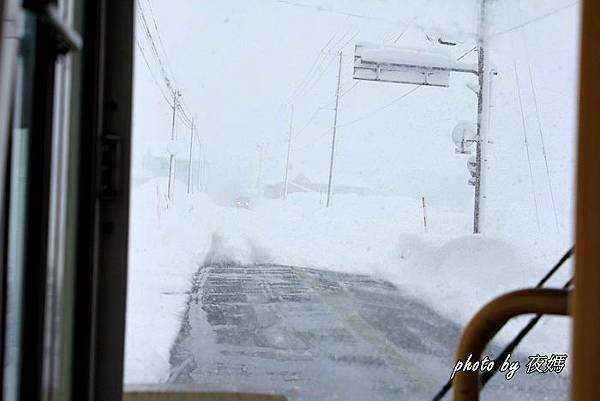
(166, 247)
(445, 267)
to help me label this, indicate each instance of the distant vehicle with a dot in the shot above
(242, 202)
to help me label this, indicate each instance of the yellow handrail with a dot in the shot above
(486, 323)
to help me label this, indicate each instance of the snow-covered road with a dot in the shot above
(319, 335)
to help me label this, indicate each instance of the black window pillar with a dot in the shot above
(101, 277)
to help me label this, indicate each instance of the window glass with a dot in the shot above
(17, 218)
(324, 192)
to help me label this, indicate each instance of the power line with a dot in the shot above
(347, 42)
(541, 134)
(322, 66)
(410, 24)
(323, 107)
(184, 111)
(329, 52)
(536, 19)
(186, 123)
(537, 214)
(160, 41)
(425, 10)
(325, 51)
(336, 44)
(539, 121)
(154, 48)
(357, 15)
(311, 119)
(467, 53)
(400, 36)
(387, 36)
(160, 88)
(344, 92)
(368, 115)
(376, 111)
(312, 67)
(345, 13)
(183, 115)
(324, 69)
(329, 62)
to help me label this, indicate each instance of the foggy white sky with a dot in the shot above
(239, 64)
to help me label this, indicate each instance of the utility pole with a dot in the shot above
(289, 149)
(205, 172)
(259, 149)
(204, 168)
(483, 115)
(201, 171)
(335, 116)
(171, 188)
(198, 168)
(190, 161)
(424, 213)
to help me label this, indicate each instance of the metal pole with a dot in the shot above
(482, 116)
(171, 188)
(204, 172)
(424, 213)
(203, 167)
(199, 168)
(287, 163)
(204, 183)
(337, 102)
(190, 162)
(259, 148)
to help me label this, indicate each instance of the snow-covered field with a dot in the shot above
(379, 236)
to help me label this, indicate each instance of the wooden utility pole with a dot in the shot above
(289, 149)
(171, 188)
(335, 117)
(190, 161)
(259, 149)
(424, 213)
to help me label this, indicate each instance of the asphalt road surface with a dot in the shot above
(318, 335)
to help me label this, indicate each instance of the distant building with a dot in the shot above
(301, 183)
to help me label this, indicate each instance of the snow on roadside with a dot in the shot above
(453, 271)
(166, 247)
(445, 267)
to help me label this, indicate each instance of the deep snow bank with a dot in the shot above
(166, 247)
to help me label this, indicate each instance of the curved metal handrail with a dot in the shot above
(490, 319)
